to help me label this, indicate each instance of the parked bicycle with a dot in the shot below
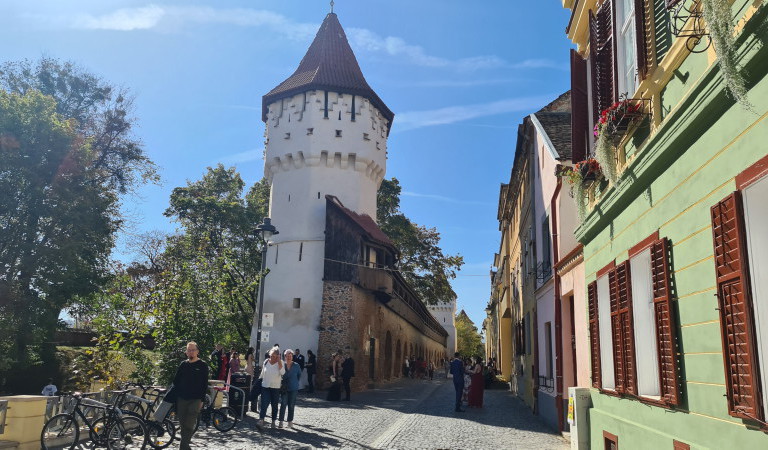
(115, 430)
(160, 434)
(223, 419)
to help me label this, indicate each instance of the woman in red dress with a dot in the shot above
(475, 396)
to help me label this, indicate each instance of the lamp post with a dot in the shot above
(264, 230)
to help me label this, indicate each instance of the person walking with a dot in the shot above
(347, 372)
(272, 376)
(234, 363)
(299, 359)
(190, 384)
(291, 382)
(216, 360)
(457, 370)
(334, 392)
(311, 368)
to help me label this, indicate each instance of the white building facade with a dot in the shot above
(326, 133)
(445, 314)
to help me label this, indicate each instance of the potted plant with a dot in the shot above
(580, 178)
(613, 123)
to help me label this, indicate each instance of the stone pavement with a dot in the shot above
(403, 414)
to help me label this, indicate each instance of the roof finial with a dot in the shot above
(331, 6)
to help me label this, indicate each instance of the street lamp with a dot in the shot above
(265, 231)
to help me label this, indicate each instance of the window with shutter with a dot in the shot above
(594, 333)
(602, 51)
(666, 338)
(622, 329)
(581, 131)
(642, 38)
(736, 322)
(607, 363)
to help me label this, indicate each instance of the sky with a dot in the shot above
(459, 76)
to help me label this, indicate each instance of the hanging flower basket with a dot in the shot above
(580, 178)
(615, 120)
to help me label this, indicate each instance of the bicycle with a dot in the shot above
(114, 430)
(160, 434)
(223, 419)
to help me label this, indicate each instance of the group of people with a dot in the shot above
(468, 381)
(418, 368)
(341, 370)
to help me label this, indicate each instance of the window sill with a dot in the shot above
(652, 401)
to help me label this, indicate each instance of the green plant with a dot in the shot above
(580, 177)
(717, 13)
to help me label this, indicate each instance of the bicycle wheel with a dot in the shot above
(60, 432)
(134, 407)
(126, 433)
(96, 432)
(160, 435)
(224, 419)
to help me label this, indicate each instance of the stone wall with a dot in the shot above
(351, 317)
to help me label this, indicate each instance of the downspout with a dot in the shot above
(558, 311)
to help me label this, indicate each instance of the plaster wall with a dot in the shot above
(685, 167)
(308, 156)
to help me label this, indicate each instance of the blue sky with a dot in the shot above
(459, 76)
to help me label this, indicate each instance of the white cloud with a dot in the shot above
(125, 19)
(453, 114)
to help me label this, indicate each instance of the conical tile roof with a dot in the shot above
(328, 65)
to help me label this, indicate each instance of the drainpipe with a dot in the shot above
(558, 311)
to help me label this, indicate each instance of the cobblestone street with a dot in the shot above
(404, 414)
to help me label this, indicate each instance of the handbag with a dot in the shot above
(333, 379)
(171, 396)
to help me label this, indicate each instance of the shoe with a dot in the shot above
(280, 424)
(290, 424)
(260, 423)
(273, 425)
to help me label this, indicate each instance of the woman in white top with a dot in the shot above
(271, 376)
(249, 361)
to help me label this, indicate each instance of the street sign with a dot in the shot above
(265, 336)
(267, 319)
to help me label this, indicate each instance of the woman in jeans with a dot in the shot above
(271, 375)
(288, 397)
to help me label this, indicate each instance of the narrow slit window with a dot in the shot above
(325, 108)
(353, 108)
(277, 252)
(310, 131)
(301, 249)
(366, 137)
(289, 197)
(318, 195)
(296, 303)
(339, 115)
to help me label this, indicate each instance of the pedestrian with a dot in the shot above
(457, 370)
(406, 367)
(224, 367)
(271, 378)
(347, 372)
(476, 388)
(249, 361)
(467, 379)
(334, 392)
(431, 370)
(291, 383)
(299, 359)
(412, 366)
(190, 385)
(216, 360)
(311, 368)
(50, 389)
(234, 362)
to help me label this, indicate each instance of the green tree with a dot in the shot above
(422, 262)
(468, 340)
(66, 156)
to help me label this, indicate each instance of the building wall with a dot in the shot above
(304, 161)
(687, 162)
(445, 314)
(351, 317)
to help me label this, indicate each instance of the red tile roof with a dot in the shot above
(364, 221)
(328, 65)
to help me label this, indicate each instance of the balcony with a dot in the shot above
(373, 279)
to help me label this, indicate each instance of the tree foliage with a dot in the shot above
(67, 154)
(422, 262)
(468, 340)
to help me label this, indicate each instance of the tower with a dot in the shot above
(326, 133)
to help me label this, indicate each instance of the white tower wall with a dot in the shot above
(307, 157)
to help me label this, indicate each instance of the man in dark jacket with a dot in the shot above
(347, 372)
(190, 385)
(457, 371)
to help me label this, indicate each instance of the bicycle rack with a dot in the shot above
(3, 410)
(242, 404)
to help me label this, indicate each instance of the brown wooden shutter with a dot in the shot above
(594, 334)
(735, 307)
(641, 39)
(602, 51)
(580, 128)
(622, 329)
(666, 337)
